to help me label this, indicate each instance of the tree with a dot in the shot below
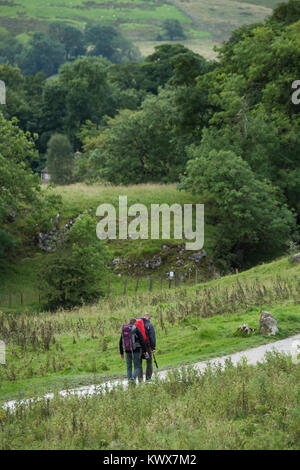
(251, 224)
(286, 13)
(20, 190)
(10, 49)
(250, 91)
(108, 42)
(88, 94)
(75, 273)
(140, 146)
(71, 37)
(172, 30)
(53, 109)
(60, 159)
(42, 55)
(159, 66)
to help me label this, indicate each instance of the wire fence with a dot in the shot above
(125, 286)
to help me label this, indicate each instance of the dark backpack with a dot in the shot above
(128, 336)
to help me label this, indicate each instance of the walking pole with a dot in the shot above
(155, 360)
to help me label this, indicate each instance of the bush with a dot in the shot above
(74, 274)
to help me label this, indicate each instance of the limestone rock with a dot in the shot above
(268, 324)
(153, 263)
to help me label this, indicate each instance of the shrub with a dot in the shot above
(74, 274)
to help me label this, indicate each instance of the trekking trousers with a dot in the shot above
(134, 359)
(149, 368)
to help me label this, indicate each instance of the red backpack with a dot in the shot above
(140, 325)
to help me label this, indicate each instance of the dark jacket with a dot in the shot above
(139, 342)
(150, 332)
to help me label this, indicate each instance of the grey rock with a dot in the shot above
(153, 263)
(197, 257)
(268, 324)
(296, 258)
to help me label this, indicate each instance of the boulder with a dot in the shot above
(296, 258)
(245, 330)
(268, 324)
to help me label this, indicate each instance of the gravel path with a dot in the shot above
(254, 355)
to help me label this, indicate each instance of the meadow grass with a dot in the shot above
(243, 407)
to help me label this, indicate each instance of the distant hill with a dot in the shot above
(205, 22)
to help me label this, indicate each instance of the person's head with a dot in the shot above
(147, 316)
(132, 321)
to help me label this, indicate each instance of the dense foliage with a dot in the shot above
(176, 117)
(46, 51)
(21, 201)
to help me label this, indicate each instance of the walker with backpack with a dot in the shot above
(128, 335)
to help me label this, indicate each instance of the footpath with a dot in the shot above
(289, 345)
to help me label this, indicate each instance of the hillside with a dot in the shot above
(193, 323)
(133, 254)
(205, 22)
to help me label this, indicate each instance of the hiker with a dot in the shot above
(133, 343)
(151, 344)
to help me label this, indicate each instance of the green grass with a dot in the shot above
(192, 324)
(237, 408)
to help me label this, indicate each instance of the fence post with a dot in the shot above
(9, 300)
(21, 298)
(137, 285)
(196, 276)
(170, 281)
(214, 272)
(125, 287)
(151, 285)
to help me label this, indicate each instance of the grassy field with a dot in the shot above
(206, 22)
(242, 407)
(54, 351)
